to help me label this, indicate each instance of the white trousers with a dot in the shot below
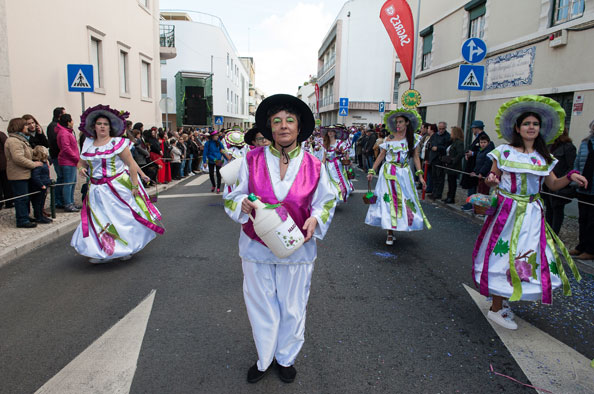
(276, 299)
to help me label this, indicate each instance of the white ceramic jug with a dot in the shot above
(230, 171)
(283, 237)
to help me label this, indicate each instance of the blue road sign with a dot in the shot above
(218, 120)
(471, 77)
(382, 106)
(343, 111)
(474, 50)
(344, 102)
(80, 78)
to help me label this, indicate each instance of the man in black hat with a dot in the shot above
(292, 181)
(468, 182)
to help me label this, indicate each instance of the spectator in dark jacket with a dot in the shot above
(453, 160)
(36, 135)
(39, 182)
(360, 148)
(565, 152)
(468, 182)
(54, 151)
(439, 143)
(483, 163)
(368, 149)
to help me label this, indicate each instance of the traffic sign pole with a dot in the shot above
(82, 100)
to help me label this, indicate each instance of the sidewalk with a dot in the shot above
(16, 242)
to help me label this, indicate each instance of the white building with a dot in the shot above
(357, 61)
(204, 51)
(541, 47)
(307, 94)
(38, 39)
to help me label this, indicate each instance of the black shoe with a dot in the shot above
(254, 374)
(33, 220)
(44, 220)
(59, 206)
(448, 201)
(71, 208)
(287, 374)
(27, 225)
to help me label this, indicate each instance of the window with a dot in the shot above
(97, 61)
(227, 64)
(476, 16)
(396, 79)
(164, 88)
(427, 35)
(566, 10)
(227, 99)
(145, 79)
(124, 74)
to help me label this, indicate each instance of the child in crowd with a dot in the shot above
(483, 163)
(40, 180)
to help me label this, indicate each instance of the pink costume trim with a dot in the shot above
(514, 182)
(395, 195)
(545, 274)
(300, 196)
(343, 187)
(107, 152)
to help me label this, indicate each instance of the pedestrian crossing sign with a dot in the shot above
(80, 78)
(471, 77)
(343, 111)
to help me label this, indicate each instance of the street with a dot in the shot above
(383, 319)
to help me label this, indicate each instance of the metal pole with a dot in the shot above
(414, 67)
(82, 99)
(466, 115)
(166, 112)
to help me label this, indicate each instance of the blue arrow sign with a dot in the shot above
(218, 120)
(344, 102)
(382, 106)
(474, 50)
(471, 77)
(80, 78)
(343, 111)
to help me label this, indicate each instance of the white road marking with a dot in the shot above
(198, 181)
(108, 364)
(187, 195)
(547, 362)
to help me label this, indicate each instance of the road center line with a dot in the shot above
(108, 364)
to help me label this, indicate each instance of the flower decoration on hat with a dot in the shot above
(552, 116)
(117, 120)
(410, 114)
(235, 138)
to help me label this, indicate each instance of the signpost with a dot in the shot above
(343, 107)
(80, 79)
(382, 106)
(218, 120)
(471, 77)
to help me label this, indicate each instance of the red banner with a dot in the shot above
(317, 98)
(398, 21)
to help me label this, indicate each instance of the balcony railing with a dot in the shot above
(167, 36)
(328, 100)
(330, 63)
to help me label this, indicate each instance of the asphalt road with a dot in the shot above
(381, 319)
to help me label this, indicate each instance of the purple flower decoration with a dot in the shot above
(506, 153)
(524, 270)
(533, 159)
(282, 212)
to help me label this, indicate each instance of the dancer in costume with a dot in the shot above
(254, 138)
(515, 256)
(397, 207)
(235, 144)
(117, 217)
(276, 290)
(335, 150)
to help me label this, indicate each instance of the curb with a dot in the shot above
(42, 238)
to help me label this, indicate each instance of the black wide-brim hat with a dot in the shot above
(307, 122)
(250, 136)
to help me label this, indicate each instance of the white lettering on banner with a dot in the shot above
(400, 30)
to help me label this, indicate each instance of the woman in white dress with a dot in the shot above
(515, 256)
(397, 207)
(117, 217)
(335, 150)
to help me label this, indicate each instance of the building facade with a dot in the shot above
(38, 39)
(204, 50)
(541, 47)
(248, 64)
(357, 61)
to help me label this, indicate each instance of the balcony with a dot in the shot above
(167, 42)
(329, 64)
(328, 100)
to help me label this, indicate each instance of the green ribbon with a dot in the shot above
(326, 210)
(425, 220)
(292, 154)
(394, 215)
(230, 204)
(114, 233)
(518, 220)
(125, 180)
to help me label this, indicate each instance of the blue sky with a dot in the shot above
(284, 35)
